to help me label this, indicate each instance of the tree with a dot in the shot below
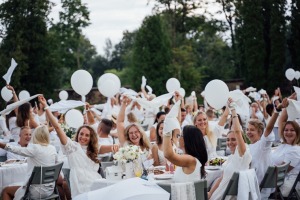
(151, 55)
(73, 18)
(25, 38)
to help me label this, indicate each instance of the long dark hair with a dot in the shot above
(92, 149)
(158, 116)
(194, 145)
(158, 137)
(23, 114)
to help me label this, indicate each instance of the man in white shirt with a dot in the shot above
(105, 141)
(25, 137)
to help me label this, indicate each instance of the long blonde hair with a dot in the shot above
(211, 137)
(144, 142)
(41, 135)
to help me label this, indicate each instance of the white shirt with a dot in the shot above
(11, 155)
(105, 141)
(261, 154)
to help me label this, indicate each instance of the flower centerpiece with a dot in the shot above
(128, 156)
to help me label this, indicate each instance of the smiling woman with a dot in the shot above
(81, 153)
(289, 152)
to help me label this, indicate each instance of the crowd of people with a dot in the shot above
(178, 132)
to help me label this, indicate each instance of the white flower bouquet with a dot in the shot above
(127, 154)
(70, 132)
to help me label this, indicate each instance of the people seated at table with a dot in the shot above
(133, 134)
(239, 159)
(24, 141)
(210, 134)
(40, 153)
(289, 152)
(157, 148)
(81, 153)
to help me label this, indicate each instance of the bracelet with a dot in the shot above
(234, 116)
(47, 107)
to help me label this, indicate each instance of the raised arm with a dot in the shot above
(89, 114)
(15, 97)
(120, 121)
(60, 133)
(223, 117)
(184, 160)
(274, 117)
(236, 127)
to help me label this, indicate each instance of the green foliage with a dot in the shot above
(25, 38)
(151, 55)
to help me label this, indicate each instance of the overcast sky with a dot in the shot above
(109, 18)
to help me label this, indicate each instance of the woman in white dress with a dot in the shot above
(289, 152)
(81, 153)
(40, 153)
(157, 148)
(210, 134)
(237, 161)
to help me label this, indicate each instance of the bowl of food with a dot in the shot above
(216, 161)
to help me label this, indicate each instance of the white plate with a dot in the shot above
(163, 176)
(213, 167)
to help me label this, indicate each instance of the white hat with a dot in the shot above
(250, 89)
(171, 122)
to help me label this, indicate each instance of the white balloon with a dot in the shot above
(6, 94)
(181, 92)
(74, 118)
(24, 95)
(172, 85)
(290, 74)
(297, 75)
(109, 76)
(216, 93)
(108, 88)
(82, 82)
(63, 95)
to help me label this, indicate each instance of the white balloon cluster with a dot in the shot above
(291, 74)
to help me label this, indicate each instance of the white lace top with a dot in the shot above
(84, 171)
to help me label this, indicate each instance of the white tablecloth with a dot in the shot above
(211, 176)
(133, 189)
(12, 174)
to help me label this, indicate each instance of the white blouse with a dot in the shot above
(261, 152)
(83, 171)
